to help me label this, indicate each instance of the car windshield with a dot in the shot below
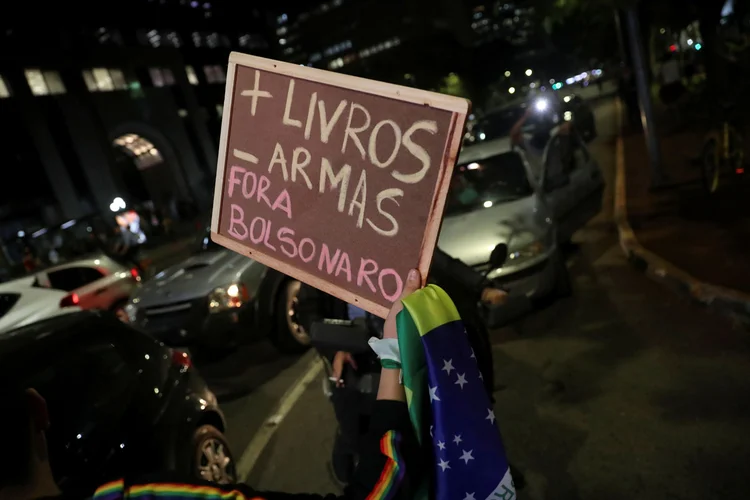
(497, 179)
(7, 301)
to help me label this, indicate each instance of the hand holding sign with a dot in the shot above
(331, 179)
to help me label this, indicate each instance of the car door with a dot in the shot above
(571, 182)
(89, 283)
(88, 388)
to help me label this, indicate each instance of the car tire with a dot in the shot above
(212, 457)
(289, 336)
(563, 283)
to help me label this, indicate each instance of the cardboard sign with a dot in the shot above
(337, 181)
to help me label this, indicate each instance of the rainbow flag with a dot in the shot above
(448, 404)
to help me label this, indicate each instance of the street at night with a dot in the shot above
(375, 250)
(622, 391)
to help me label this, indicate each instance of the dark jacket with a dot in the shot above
(389, 458)
(460, 281)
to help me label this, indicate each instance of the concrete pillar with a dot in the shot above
(197, 118)
(92, 148)
(65, 192)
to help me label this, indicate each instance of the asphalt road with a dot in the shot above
(621, 391)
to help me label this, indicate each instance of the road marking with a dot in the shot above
(252, 453)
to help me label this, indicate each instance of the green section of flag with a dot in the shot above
(424, 311)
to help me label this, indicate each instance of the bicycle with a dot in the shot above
(723, 153)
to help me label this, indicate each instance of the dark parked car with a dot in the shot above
(120, 403)
(217, 298)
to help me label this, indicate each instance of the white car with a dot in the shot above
(92, 283)
(21, 306)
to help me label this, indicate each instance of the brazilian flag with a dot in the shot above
(448, 405)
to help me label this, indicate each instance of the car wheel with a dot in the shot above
(212, 459)
(290, 336)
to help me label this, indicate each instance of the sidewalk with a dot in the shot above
(700, 238)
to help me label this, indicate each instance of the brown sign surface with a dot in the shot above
(334, 180)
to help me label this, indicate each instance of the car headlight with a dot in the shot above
(228, 297)
(531, 250)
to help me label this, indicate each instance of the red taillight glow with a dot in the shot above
(740, 170)
(70, 300)
(135, 274)
(181, 358)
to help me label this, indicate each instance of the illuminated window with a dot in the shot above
(214, 74)
(212, 40)
(55, 84)
(88, 78)
(103, 79)
(191, 76)
(157, 78)
(118, 79)
(36, 82)
(281, 31)
(336, 63)
(4, 91)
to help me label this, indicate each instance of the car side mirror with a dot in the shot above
(498, 256)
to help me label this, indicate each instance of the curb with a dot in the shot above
(726, 301)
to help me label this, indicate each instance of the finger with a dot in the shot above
(413, 283)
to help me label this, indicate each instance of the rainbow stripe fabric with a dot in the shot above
(115, 490)
(393, 472)
(449, 407)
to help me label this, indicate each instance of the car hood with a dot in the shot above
(193, 278)
(471, 236)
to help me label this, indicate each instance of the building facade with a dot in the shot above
(126, 111)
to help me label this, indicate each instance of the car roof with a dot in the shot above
(484, 150)
(57, 330)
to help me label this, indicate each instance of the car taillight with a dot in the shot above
(135, 274)
(70, 300)
(181, 358)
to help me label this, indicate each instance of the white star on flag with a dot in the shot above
(444, 464)
(466, 456)
(447, 366)
(433, 394)
(441, 445)
(490, 416)
(481, 377)
(461, 380)
(473, 356)
(431, 427)
(457, 439)
(469, 496)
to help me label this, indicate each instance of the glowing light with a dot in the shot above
(512, 90)
(472, 166)
(529, 72)
(507, 74)
(233, 291)
(541, 104)
(487, 204)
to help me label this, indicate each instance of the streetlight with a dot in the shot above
(529, 72)
(507, 74)
(512, 90)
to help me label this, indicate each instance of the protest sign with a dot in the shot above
(334, 180)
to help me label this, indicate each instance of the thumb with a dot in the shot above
(413, 283)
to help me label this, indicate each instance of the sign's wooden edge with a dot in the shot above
(301, 275)
(389, 90)
(435, 217)
(221, 160)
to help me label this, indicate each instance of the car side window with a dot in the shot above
(71, 278)
(555, 171)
